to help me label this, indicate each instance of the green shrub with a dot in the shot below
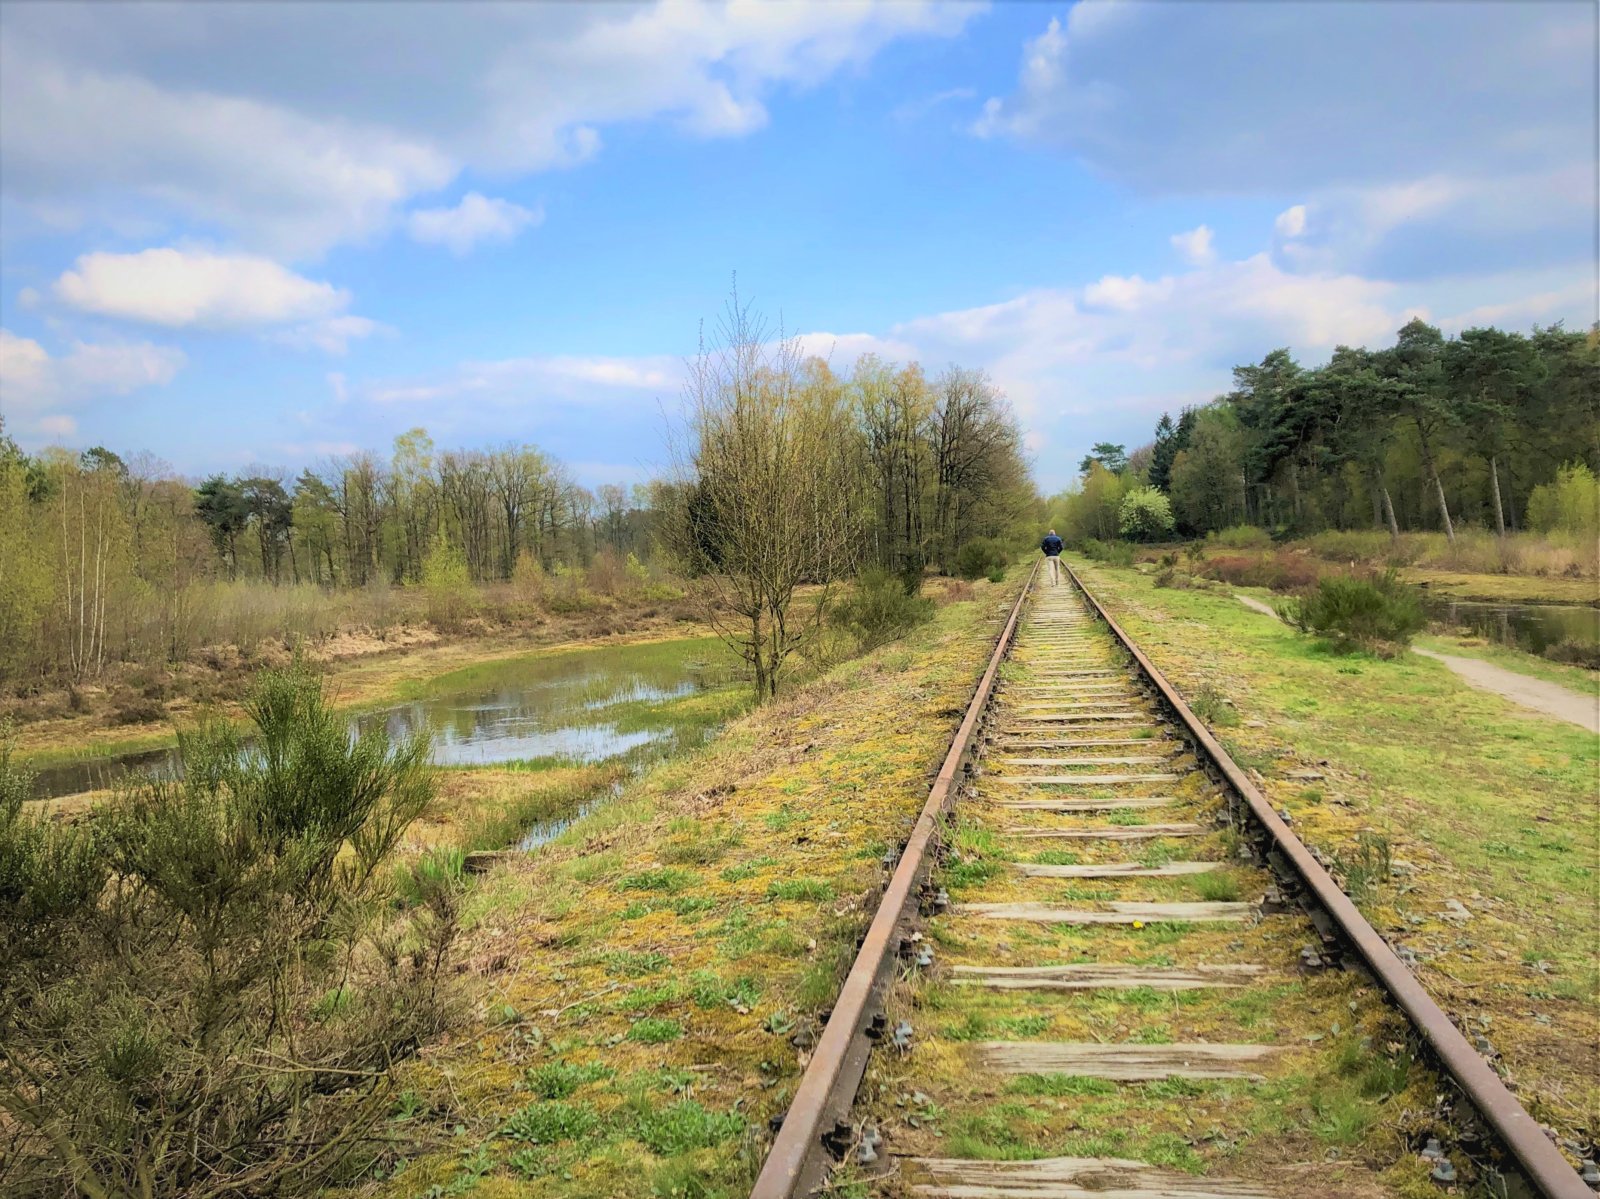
(1568, 504)
(1112, 553)
(1278, 571)
(180, 1009)
(447, 584)
(981, 557)
(1368, 613)
(879, 609)
(1575, 652)
(1241, 537)
(1144, 515)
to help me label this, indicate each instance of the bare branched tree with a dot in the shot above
(763, 503)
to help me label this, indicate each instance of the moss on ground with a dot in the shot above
(1465, 827)
(647, 985)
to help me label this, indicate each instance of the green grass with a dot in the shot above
(549, 1121)
(666, 879)
(815, 890)
(654, 1030)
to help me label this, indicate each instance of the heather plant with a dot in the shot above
(1377, 614)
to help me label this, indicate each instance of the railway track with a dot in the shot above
(1104, 966)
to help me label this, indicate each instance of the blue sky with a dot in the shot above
(270, 234)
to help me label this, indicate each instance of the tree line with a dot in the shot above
(1428, 434)
(102, 556)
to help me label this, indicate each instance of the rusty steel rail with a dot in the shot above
(1539, 1159)
(799, 1160)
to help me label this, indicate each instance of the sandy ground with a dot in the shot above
(1536, 694)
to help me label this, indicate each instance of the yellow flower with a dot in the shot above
(1138, 924)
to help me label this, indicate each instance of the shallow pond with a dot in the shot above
(593, 705)
(1529, 627)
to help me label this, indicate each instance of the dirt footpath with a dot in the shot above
(1550, 698)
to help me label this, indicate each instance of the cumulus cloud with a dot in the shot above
(476, 219)
(1195, 246)
(36, 386)
(196, 289)
(181, 288)
(293, 130)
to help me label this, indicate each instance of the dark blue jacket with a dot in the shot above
(1051, 545)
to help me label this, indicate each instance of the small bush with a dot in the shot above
(1366, 613)
(980, 557)
(879, 609)
(447, 583)
(1575, 652)
(138, 710)
(1144, 515)
(1241, 537)
(202, 989)
(1112, 553)
(1569, 504)
(1277, 571)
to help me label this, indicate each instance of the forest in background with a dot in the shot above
(108, 559)
(1489, 430)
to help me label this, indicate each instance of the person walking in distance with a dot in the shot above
(1051, 545)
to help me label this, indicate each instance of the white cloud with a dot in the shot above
(1195, 246)
(295, 129)
(36, 386)
(1427, 138)
(531, 381)
(181, 288)
(331, 336)
(196, 289)
(840, 350)
(1291, 222)
(1119, 84)
(82, 145)
(476, 219)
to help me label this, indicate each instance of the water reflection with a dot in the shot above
(583, 706)
(1530, 627)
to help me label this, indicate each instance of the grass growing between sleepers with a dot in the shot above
(1465, 827)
